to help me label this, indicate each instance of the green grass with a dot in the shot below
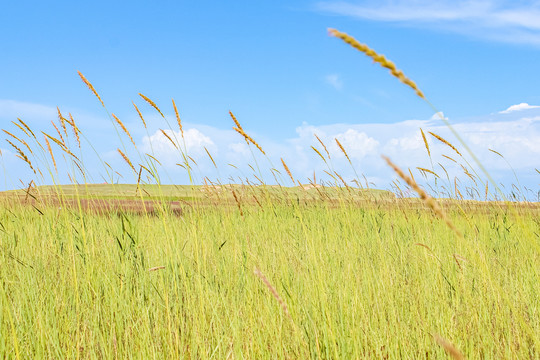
(354, 279)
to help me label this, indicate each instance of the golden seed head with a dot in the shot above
(51, 153)
(124, 128)
(59, 134)
(343, 150)
(249, 139)
(210, 156)
(178, 118)
(140, 115)
(445, 142)
(378, 58)
(235, 121)
(91, 87)
(168, 137)
(425, 142)
(153, 104)
(27, 128)
(287, 169)
(75, 129)
(126, 159)
(324, 146)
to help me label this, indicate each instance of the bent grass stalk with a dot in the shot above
(123, 127)
(287, 170)
(378, 58)
(340, 146)
(91, 87)
(401, 77)
(431, 202)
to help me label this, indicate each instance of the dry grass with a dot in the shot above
(168, 138)
(178, 118)
(51, 153)
(126, 159)
(287, 170)
(444, 141)
(140, 115)
(324, 146)
(21, 155)
(91, 87)
(378, 58)
(153, 104)
(124, 129)
(425, 142)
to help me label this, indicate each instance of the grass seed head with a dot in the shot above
(178, 118)
(91, 87)
(425, 142)
(378, 58)
(124, 128)
(27, 128)
(140, 115)
(153, 104)
(287, 170)
(445, 142)
(126, 159)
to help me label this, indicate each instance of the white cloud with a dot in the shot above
(518, 107)
(357, 144)
(438, 116)
(515, 22)
(163, 149)
(335, 81)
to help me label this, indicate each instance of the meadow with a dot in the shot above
(259, 269)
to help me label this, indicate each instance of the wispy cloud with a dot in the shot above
(505, 21)
(519, 107)
(335, 81)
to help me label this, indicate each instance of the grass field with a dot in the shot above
(231, 271)
(336, 281)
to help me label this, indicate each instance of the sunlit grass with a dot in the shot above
(260, 269)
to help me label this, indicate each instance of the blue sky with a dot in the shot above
(274, 65)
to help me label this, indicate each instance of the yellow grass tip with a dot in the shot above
(378, 58)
